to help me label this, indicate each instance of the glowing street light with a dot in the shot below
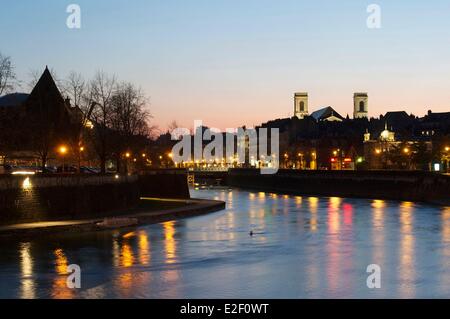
(447, 148)
(378, 151)
(62, 150)
(127, 154)
(406, 150)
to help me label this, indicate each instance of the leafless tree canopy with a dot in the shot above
(130, 116)
(7, 75)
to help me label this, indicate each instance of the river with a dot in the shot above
(301, 247)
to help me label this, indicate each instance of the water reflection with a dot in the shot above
(144, 248)
(313, 207)
(60, 289)
(301, 247)
(378, 233)
(406, 251)
(333, 244)
(169, 242)
(27, 290)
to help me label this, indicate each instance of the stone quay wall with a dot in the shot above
(56, 197)
(415, 186)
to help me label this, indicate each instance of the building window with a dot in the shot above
(302, 106)
(361, 106)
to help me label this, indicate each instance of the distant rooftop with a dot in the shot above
(301, 94)
(325, 113)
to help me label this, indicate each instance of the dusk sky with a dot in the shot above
(236, 62)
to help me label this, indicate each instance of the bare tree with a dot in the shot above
(130, 120)
(172, 126)
(7, 75)
(102, 88)
(80, 95)
(130, 115)
(74, 86)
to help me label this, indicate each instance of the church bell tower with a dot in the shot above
(360, 105)
(301, 104)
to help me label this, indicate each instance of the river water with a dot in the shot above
(302, 247)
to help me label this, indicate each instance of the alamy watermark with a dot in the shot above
(374, 279)
(73, 21)
(242, 146)
(374, 18)
(73, 280)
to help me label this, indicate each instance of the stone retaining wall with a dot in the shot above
(398, 185)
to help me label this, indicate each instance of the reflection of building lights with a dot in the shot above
(127, 259)
(61, 262)
(170, 244)
(26, 263)
(144, 248)
(26, 184)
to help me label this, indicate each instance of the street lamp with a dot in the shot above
(81, 150)
(63, 151)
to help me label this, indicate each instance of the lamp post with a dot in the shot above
(170, 156)
(63, 151)
(127, 157)
(80, 151)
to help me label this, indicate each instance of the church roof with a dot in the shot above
(46, 101)
(13, 99)
(325, 113)
(46, 85)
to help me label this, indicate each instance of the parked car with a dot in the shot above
(68, 169)
(87, 170)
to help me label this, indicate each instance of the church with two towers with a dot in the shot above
(360, 108)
